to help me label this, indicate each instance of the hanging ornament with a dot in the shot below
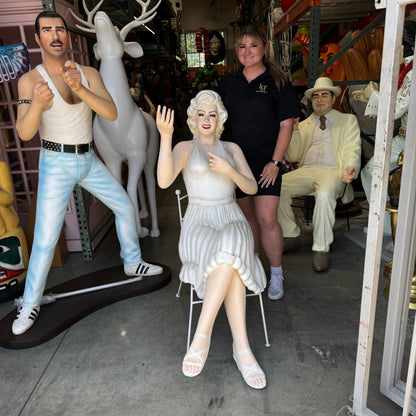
(285, 52)
(202, 33)
(273, 16)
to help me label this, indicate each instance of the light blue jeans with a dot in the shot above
(58, 174)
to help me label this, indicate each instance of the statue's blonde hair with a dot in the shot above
(209, 97)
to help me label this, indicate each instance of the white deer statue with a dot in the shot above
(133, 137)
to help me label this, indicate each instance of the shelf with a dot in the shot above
(331, 11)
(298, 10)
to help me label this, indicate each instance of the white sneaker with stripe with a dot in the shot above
(25, 318)
(142, 269)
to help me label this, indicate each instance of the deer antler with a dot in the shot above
(90, 15)
(142, 19)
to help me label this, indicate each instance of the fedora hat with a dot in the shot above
(323, 83)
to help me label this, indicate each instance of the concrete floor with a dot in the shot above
(126, 358)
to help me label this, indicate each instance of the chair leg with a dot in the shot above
(266, 337)
(308, 208)
(348, 219)
(178, 293)
(191, 308)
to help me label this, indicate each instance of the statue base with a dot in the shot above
(57, 316)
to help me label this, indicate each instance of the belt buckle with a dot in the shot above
(76, 149)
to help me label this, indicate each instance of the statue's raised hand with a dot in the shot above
(164, 122)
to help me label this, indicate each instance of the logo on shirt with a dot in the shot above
(262, 89)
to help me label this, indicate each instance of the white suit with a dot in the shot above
(323, 183)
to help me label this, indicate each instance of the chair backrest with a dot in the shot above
(179, 198)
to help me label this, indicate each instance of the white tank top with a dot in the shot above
(65, 123)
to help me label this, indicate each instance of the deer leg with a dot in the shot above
(142, 198)
(151, 193)
(136, 166)
(114, 166)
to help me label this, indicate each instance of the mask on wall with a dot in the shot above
(212, 44)
(216, 46)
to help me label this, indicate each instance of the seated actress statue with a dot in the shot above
(216, 244)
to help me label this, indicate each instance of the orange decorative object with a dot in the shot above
(355, 65)
(378, 38)
(374, 64)
(364, 44)
(336, 70)
(304, 42)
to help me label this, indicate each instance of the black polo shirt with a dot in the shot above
(255, 111)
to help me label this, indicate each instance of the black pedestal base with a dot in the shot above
(57, 316)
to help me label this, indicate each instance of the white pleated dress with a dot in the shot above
(215, 230)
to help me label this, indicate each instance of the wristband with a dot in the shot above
(24, 102)
(278, 164)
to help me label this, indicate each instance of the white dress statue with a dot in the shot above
(216, 244)
(215, 230)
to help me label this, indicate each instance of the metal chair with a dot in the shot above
(194, 300)
(342, 209)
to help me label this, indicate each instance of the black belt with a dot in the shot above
(79, 149)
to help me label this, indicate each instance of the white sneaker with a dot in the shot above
(142, 269)
(275, 291)
(25, 318)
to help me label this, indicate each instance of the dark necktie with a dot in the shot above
(322, 126)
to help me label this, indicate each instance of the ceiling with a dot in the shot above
(335, 11)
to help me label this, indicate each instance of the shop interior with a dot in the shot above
(124, 358)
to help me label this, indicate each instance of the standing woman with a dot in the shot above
(261, 105)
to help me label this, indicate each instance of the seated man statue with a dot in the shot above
(327, 146)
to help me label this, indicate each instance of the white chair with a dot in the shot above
(194, 299)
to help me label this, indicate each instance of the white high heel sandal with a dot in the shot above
(250, 373)
(198, 354)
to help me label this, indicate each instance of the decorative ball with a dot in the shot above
(286, 4)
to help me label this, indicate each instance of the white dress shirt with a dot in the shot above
(321, 150)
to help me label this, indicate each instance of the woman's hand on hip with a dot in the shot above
(269, 175)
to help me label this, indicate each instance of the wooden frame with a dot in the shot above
(404, 253)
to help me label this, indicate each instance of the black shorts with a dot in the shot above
(270, 190)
